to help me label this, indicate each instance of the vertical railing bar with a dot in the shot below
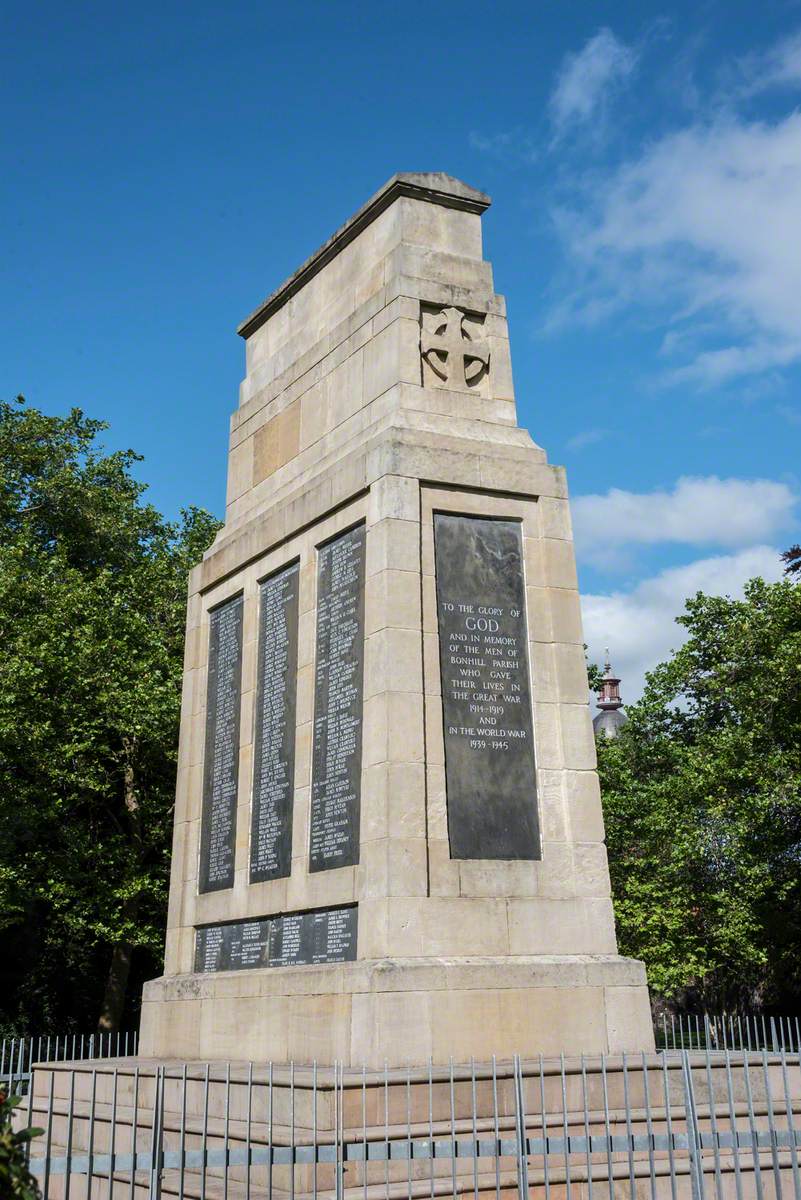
(70, 1107)
(524, 1128)
(364, 1129)
(726, 1043)
(649, 1125)
(292, 1127)
(204, 1138)
(386, 1128)
(797, 1036)
(134, 1129)
(270, 1131)
(740, 1031)
(788, 1108)
(673, 1030)
(11, 1066)
(757, 1165)
(341, 1132)
(697, 1032)
(629, 1146)
(112, 1155)
(681, 1030)
(669, 1127)
(48, 1136)
(409, 1130)
(586, 1124)
(497, 1128)
(182, 1164)
(733, 1125)
(748, 1029)
(518, 1139)
(664, 1030)
(544, 1114)
(565, 1131)
(693, 1133)
(31, 1094)
(764, 1030)
(431, 1121)
(475, 1127)
(609, 1165)
(90, 1140)
(453, 1129)
(713, 1121)
(155, 1135)
(226, 1127)
(3, 1058)
(774, 1150)
(314, 1131)
(82, 1054)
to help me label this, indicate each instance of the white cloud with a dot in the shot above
(586, 437)
(698, 511)
(780, 67)
(585, 80)
(639, 626)
(703, 229)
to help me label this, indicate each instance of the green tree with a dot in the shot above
(92, 602)
(702, 801)
(16, 1181)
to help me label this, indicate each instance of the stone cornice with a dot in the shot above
(434, 187)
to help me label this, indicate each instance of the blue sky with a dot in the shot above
(166, 166)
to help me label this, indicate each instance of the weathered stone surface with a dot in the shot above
(378, 407)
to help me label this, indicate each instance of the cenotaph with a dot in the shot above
(388, 833)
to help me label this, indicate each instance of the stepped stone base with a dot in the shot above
(406, 1011)
(110, 1106)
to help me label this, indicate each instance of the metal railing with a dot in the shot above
(18, 1054)
(708, 1123)
(727, 1031)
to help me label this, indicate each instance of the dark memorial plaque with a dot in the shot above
(338, 678)
(221, 766)
(292, 940)
(486, 698)
(274, 737)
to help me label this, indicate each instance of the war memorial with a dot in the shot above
(388, 832)
(391, 967)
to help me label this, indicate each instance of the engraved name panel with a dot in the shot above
(486, 698)
(274, 736)
(295, 939)
(221, 767)
(338, 679)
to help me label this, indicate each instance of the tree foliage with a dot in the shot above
(702, 801)
(92, 603)
(16, 1181)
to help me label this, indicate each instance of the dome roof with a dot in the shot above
(610, 718)
(609, 722)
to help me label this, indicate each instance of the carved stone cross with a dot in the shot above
(465, 359)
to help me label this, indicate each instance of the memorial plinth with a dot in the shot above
(388, 833)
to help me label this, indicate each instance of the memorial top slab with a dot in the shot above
(434, 187)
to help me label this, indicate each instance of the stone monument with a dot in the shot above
(388, 833)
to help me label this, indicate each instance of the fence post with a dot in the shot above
(693, 1132)
(157, 1136)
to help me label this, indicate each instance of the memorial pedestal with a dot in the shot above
(388, 837)
(405, 1011)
